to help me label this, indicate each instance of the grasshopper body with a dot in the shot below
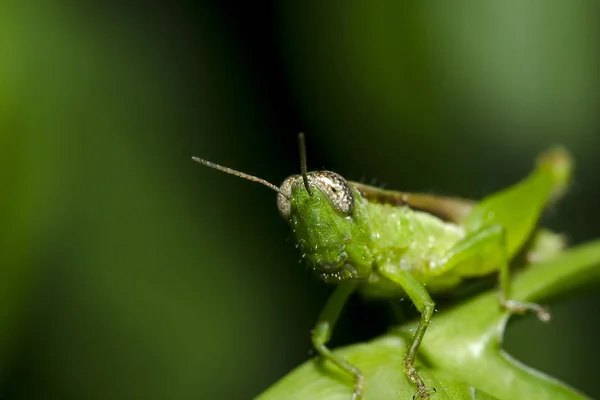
(394, 244)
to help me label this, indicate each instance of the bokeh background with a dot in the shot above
(129, 272)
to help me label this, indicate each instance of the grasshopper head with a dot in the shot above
(328, 217)
(330, 224)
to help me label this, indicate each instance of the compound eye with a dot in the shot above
(336, 189)
(283, 204)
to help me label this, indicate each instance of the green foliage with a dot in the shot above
(461, 354)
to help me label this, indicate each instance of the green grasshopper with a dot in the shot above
(392, 244)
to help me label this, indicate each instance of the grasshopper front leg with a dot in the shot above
(420, 297)
(324, 329)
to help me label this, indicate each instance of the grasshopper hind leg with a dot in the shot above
(480, 252)
(519, 307)
(512, 306)
(489, 244)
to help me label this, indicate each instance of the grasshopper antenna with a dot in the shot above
(240, 175)
(302, 144)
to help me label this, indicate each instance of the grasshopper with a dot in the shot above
(394, 244)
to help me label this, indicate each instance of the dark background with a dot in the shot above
(129, 272)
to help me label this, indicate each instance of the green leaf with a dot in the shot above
(461, 354)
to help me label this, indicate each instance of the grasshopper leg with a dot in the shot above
(418, 294)
(324, 329)
(513, 306)
(480, 253)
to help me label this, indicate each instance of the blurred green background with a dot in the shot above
(129, 272)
